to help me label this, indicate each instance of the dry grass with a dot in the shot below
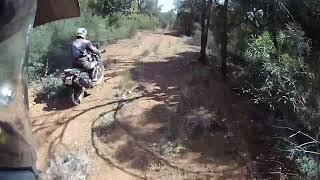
(127, 82)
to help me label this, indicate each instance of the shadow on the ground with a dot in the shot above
(57, 104)
(61, 124)
(170, 33)
(198, 109)
(185, 113)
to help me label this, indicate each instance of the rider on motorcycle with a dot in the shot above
(81, 49)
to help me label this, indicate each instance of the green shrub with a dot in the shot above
(146, 22)
(278, 78)
(308, 167)
(50, 87)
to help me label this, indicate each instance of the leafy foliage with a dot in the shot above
(50, 87)
(110, 7)
(308, 167)
(274, 76)
(188, 12)
(150, 7)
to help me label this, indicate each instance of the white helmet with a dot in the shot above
(82, 32)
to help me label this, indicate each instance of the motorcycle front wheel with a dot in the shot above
(99, 71)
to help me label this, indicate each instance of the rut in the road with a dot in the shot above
(159, 115)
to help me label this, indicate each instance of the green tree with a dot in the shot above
(110, 7)
(188, 13)
(150, 7)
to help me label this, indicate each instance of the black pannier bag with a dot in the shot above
(85, 80)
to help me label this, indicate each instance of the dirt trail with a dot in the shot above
(169, 119)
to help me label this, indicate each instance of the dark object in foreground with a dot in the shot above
(51, 10)
(17, 175)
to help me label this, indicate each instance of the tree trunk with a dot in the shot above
(205, 23)
(224, 38)
(208, 21)
(190, 20)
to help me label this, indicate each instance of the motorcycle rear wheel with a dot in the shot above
(77, 95)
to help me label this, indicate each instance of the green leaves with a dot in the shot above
(50, 87)
(110, 7)
(309, 167)
(277, 76)
(260, 49)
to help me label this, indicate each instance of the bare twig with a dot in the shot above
(285, 8)
(297, 132)
(290, 174)
(307, 143)
(299, 147)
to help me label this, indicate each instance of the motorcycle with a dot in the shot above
(77, 81)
